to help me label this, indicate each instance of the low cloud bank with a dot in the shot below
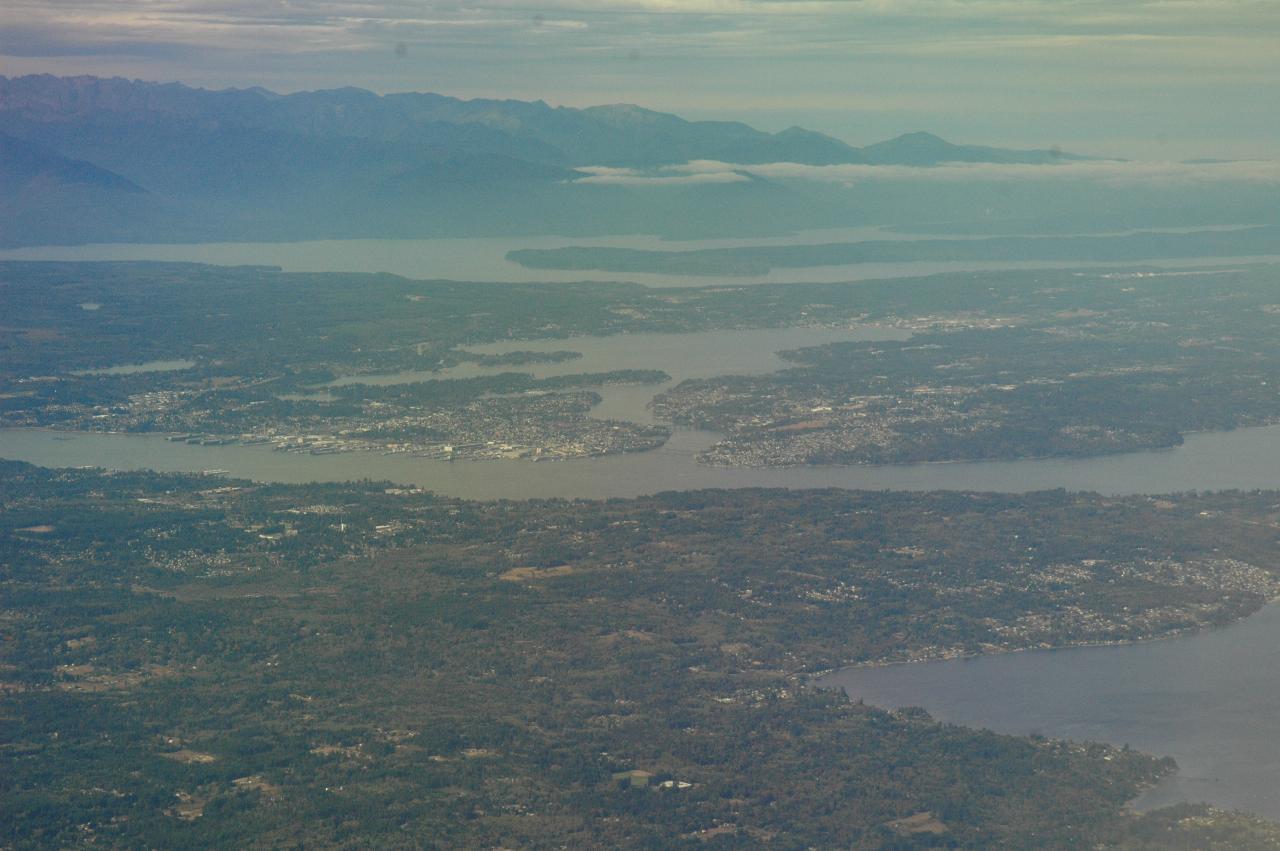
(723, 173)
(1111, 172)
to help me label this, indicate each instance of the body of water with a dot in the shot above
(682, 356)
(1210, 700)
(1245, 458)
(484, 258)
(133, 368)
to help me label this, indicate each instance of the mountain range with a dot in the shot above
(93, 159)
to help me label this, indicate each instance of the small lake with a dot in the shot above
(484, 258)
(1210, 700)
(134, 368)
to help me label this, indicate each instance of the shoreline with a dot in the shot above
(1073, 645)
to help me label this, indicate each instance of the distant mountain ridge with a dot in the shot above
(43, 192)
(23, 164)
(55, 108)
(926, 149)
(94, 159)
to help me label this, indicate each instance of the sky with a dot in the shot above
(1146, 79)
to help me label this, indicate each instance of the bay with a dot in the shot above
(1211, 700)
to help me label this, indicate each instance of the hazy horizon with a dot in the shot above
(1131, 79)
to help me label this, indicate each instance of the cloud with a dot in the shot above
(1117, 173)
(604, 175)
(729, 27)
